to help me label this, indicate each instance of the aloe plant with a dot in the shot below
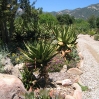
(39, 55)
(66, 37)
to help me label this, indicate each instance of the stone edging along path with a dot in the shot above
(89, 49)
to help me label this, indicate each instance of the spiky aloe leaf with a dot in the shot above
(41, 51)
(65, 35)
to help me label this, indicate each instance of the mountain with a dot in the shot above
(81, 12)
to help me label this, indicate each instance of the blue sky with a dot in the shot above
(58, 5)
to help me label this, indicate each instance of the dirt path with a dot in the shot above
(90, 77)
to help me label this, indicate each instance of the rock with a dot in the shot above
(77, 87)
(16, 72)
(11, 87)
(7, 65)
(6, 61)
(59, 82)
(69, 97)
(80, 55)
(8, 69)
(55, 94)
(77, 94)
(76, 79)
(75, 71)
(58, 87)
(66, 82)
(20, 66)
(64, 69)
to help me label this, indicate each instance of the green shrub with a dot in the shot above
(28, 78)
(96, 37)
(72, 58)
(42, 94)
(16, 58)
(91, 32)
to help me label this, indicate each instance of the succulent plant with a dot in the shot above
(39, 54)
(66, 37)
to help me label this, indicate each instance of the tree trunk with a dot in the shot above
(4, 32)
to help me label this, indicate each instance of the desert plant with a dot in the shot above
(27, 78)
(39, 54)
(66, 38)
(29, 96)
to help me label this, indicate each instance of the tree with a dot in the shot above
(97, 22)
(26, 25)
(81, 25)
(47, 18)
(9, 9)
(65, 19)
(92, 21)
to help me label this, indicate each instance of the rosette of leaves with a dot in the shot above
(39, 54)
(66, 37)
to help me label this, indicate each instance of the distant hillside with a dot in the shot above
(81, 12)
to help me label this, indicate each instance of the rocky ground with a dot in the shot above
(89, 49)
(66, 81)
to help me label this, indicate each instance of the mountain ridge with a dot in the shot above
(83, 13)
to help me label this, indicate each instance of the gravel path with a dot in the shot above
(90, 77)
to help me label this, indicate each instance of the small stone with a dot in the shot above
(20, 66)
(75, 71)
(66, 82)
(64, 69)
(59, 82)
(77, 94)
(69, 97)
(8, 68)
(76, 79)
(80, 55)
(53, 94)
(77, 87)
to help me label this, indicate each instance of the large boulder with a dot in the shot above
(11, 87)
